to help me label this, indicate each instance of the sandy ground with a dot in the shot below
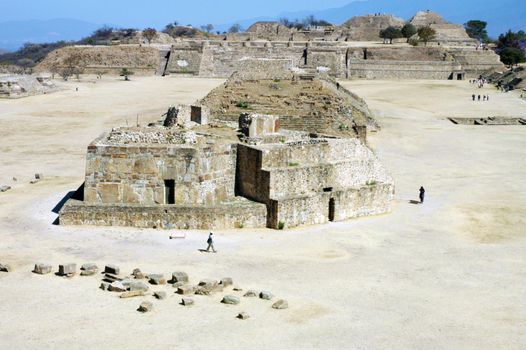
(449, 274)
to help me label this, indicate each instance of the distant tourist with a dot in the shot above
(487, 97)
(479, 98)
(210, 242)
(422, 194)
(473, 97)
(484, 98)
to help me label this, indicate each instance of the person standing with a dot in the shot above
(473, 97)
(210, 242)
(422, 194)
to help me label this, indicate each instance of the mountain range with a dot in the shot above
(501, 15)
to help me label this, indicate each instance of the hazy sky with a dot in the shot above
(142, 13)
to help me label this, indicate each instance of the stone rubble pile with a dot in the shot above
(136, 285)
(120, 136)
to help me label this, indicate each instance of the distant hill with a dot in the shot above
(13, 34)
(2, 51)
(501, 15)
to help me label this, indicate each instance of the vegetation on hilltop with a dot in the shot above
(306, 23)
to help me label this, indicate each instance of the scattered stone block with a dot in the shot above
(111, 269)
(157, 279)
(179, 276)
(126, 282)
(207, 283)
(5, 188)
(187, 301)
(207, 286)
(251, 294)
(160, 295)
(131, 294)
(104, 286)
(243, 316)
(42, 269)
(111, 278)
(117, 286)
(186, 290)
(5, 268)
(230, 299)
(88, 269)
(226, 282)
(280, 304)
(67, 269)
(266, 295)
(178, 284)
(138, 286)
(137, 274)
(146, 306)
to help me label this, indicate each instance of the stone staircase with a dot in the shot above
(164, 57)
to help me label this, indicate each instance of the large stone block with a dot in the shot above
(109, 193)
(42, 269)
(145, 166)
(67, 269)
(112, 269)
(179, 276)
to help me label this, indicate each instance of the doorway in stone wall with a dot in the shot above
(169, 191)
(332, 209)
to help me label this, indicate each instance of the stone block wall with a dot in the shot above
(316, 209)
(392, 70)
(299, 181)
(238, 214)
(223, 58)
(136, 173)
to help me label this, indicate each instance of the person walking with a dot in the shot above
(422, 194)
(479, 98)
(473, 97)
(210, 242)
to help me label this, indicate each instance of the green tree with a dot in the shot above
(476, 29)
(512, 56)
(511, 39)
(235, 28)
(207, 28)
(408, 31)
(125, 72)
(426, 34)
(390, 33)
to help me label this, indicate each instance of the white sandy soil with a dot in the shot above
(448, 274)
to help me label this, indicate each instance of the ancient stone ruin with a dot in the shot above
(16, 86)
(352, 50)
(202, 169)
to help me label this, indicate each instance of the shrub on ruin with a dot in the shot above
(149, 34)
(242, 104)
(125, 72)
(281, 225)
(413, 42)
(408, 30)
(426, 34)
(390, 33)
